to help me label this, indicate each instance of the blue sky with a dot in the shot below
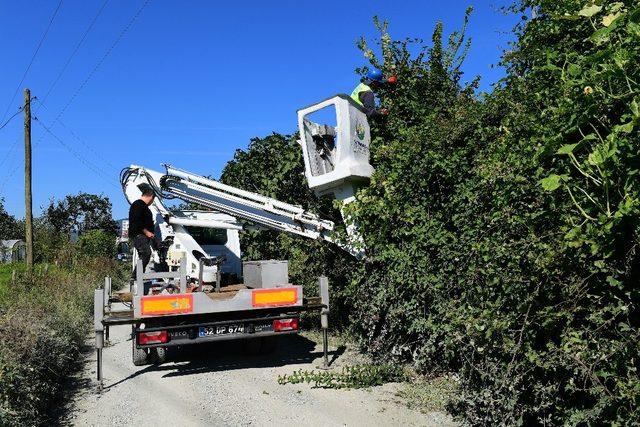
(189, 82)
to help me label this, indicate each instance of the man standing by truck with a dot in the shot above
(141, 225)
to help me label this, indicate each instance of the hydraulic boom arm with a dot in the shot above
(268, 212)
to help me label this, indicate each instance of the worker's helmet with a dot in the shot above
(375, 75)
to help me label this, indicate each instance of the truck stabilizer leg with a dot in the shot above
(323, 283)
(98, 315)
(99, 346)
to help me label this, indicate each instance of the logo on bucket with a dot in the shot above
(360, 130)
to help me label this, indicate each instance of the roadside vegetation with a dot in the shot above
(501, 228)
(45, 313)
(7, 273)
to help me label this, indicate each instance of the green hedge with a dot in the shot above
(501, 229)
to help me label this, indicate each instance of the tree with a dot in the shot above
(10, 227)
(97, 243)
(81, 213)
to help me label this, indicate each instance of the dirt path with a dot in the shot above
(220, 385)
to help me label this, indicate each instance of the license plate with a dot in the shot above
(206, 331)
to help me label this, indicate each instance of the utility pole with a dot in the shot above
(28, 216)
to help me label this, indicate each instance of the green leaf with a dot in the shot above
(626, 128)
(589, 11)
(566, 149)
(635, 109)
(634, 29)
(615, 7)
(609, 19)
(601, 35)
(569, 17)
(574, 70)
(596, 158)
(552, 182)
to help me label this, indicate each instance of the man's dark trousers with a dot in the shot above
(143, 245)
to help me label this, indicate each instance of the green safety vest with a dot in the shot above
(355, 95)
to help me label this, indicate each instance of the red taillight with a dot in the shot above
(157, 337)
(285, 325)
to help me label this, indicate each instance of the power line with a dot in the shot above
(13, 146)
(106, 54)
(9, 175)
(11, 118)
(90, 75)
(75, 50)
(20, 110)
(84, 143)
(94, 168)
(73, 97)
(33, 57)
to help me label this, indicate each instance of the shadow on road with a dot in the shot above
(231, 355)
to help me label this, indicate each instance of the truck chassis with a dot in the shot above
(189, 318)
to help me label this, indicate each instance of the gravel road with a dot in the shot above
(222, 385)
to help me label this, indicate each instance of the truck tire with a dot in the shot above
(140, 355)
(158, 355)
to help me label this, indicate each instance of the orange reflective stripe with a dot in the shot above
(166, 304)
(274, 297)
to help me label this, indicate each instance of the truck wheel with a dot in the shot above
(158, 355)
(140, 356)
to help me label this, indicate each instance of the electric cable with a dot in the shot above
(76, 93)
(13, 146)
(9, 175)
(33, 57)
(77, 155)
(127, 172)
(84, 143)
(10, 152)
(11, 118)
(86, 81)
(101, 61)
(75, 50)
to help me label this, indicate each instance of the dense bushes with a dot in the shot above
(10, 228)
(45, 314)
(97, 243)
(502, 230)
(44, 320)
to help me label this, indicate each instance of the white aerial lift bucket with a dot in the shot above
(335, 138)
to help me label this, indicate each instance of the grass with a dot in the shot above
(6, 271)
(36, 356)
(6, 274)
(429, 394)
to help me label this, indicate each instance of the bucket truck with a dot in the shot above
(197, 289)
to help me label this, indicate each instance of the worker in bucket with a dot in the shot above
(141, 225)
(364, 96)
